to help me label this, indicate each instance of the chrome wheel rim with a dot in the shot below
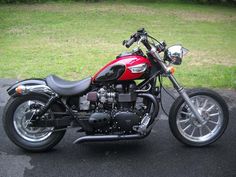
(32, 134)
(212, 114)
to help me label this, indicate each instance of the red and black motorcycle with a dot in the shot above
(111, 105)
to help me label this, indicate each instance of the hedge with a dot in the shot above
(196, 1)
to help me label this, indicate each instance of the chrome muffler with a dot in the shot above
(97, 138)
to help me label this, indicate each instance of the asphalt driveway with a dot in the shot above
(160, 154)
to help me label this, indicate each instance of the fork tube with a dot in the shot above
(184, 95)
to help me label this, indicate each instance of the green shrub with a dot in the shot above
(215, 1)
(195, 1)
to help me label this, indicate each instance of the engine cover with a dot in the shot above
(126, 120)
(99, 119)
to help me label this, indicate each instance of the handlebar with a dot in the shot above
(142, 34)
(129, 42)
(154, 49)
(135, 37)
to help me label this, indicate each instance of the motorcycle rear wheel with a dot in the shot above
(15, 124)
(185, 126)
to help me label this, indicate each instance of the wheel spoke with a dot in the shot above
(214, 114)
(193, 131)
(187, 127)
(29, 103)
(211, 121)
(184, 120)
(208, 128)
(200, 131)
(186, 113)
(197, 102)
(205, 103)
(210, 108)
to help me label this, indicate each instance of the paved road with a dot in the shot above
(160, 154)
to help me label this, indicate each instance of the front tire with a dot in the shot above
(187, 129)
(28, 138)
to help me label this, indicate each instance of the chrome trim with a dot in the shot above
(148, 89)
(191, 105)
(156, 55)
(35, 88)
(192, 129)
(97, 138)
(140, 68)
(140, 40)
(175, 51)
(175, 54)
(142, 128)
(20, 122)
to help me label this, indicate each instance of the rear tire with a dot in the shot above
(21, 138)
(183, 123)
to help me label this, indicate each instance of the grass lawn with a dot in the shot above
(74, 40)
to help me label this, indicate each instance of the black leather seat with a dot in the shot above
(68, 88)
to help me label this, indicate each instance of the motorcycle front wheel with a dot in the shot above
(185, 126)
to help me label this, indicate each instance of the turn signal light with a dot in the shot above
(171, 69)
(20, 89)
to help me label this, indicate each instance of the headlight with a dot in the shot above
(175, 53)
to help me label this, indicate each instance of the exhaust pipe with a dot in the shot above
(98, 138)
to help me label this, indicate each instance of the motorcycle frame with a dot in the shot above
(53, 97)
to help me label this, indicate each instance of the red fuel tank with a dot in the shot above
(123, 68)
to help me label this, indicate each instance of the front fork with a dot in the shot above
(186, 98)
(176, 85)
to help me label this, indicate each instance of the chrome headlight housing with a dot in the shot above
(175, 53)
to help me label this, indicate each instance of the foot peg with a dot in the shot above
(142, 128)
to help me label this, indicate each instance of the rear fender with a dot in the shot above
(36, 87)
(28, 82)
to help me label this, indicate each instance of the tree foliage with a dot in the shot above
(196, 1)
(215, 1)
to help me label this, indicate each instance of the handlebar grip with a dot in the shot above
(130, 42)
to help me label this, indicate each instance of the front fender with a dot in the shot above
(28, 82)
